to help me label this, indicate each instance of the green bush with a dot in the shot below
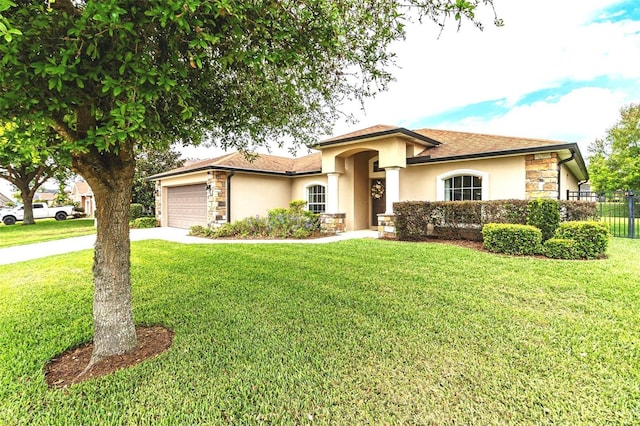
(560, 248)
(135, 211)
(575, 210)
(294, 222)
(145, 222)
(544, 214)
(591, 238)
(512, 238)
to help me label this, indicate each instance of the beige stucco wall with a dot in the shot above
(256, 194)
(568, 181)
(299, 185)
(506, 177)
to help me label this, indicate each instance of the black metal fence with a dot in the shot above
(620, 210)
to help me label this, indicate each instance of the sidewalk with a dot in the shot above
(68, 245)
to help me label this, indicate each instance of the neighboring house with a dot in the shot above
(356, 178)
(4, 200)
(83, 195)
(45, 196)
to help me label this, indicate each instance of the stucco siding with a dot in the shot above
(300, 184)
(568, 181)
(506, 178)
(256, 194)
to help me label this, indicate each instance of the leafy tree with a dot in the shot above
(114, 76)
(151, 161)
(29, 156)
(615, 160)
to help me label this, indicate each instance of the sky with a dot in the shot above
(557, 69)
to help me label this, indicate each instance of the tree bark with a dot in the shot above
(27, 205)
(110, 176)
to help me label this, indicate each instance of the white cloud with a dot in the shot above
(543, 45)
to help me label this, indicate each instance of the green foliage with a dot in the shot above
(574, 210)
(614, 163)
(544, 214)
(135, 211)
(512, 238)
(420, 220)
(151, 161)
(144, 222)
(560, 248)
(590, 238)
(293, 222)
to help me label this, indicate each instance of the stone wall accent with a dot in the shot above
(387, 226)
(217, 199)
(158, 201)
(541, 175)
(332, 223)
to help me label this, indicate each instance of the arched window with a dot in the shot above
(466, 187)
(463, 185)
(316, 198)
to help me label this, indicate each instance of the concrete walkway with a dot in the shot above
(68, 245)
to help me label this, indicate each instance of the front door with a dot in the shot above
(378, 199)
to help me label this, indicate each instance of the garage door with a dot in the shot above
(187, 206)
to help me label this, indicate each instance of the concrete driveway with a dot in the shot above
(68, 245)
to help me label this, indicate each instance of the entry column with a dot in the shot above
(332, 192)
(393, 187)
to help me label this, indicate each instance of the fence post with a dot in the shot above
(632, 215)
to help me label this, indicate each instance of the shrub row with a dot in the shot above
(294, 222)
(572, 240)
(144, 222)
(420, 220)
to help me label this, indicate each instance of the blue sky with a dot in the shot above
(557, 70)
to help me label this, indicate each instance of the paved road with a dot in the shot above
(68, 245)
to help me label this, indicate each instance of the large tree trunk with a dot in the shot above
(110, 176)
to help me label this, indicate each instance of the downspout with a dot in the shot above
(229, 195)
(560, 163)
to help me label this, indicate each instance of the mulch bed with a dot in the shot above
(64, 370)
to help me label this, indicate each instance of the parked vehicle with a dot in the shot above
(40, 211)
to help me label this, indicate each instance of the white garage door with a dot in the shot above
(187, 206)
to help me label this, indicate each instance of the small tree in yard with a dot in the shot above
(150, 161)
(30, 154)
(115, 76)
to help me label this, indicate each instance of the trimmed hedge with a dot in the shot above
(591, 238)
(421, 220)
(560, 248)
(544, 214)
(512, 239)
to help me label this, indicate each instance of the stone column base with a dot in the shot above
(387, 226)
(332, 223)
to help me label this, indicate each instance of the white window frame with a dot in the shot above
(462, 172)
(306, 193)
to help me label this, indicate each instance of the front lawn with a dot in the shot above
(44, 230)
(356, 332)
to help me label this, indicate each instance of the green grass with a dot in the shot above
(44, 230)
(357, 332)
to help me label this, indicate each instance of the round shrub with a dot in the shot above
(511, 239)
(560, 248)
(145, 222)
(591, 238)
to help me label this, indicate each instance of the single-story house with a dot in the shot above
(354, 179)
(82, 194)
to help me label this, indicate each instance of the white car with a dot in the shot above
(40, 211)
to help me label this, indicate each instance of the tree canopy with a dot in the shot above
(150, 161)
(114, 76)
(614, 163)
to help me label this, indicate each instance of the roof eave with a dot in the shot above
(288, 173)
(422, 139)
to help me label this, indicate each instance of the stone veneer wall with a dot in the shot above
(158, 201)
(332, 223)
(541, 175)
(387, 226)
(217, 199)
